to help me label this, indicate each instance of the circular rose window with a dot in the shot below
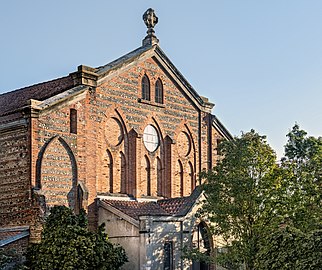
(150, 138)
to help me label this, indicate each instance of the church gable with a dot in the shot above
(146, 90)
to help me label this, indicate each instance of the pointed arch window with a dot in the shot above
(159, 92)
(159, 178)
(181, 178)
(145, 88)
(79, 200)
(192, 178)
(123, 173)
(73, 121)
(148, 176)
(110, 170)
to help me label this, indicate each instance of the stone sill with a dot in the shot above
(152, 103)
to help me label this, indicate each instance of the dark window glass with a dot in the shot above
(181, 178)
(159, 178)
(148, 176)
(73, 121)
(145, 88)
(110, 170)
(123, 173)
(168, 255)
(158, 92)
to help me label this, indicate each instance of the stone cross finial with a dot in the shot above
(150, 19)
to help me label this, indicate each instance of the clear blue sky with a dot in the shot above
(260, 62)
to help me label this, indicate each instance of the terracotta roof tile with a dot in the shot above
(135, 209)
(167, 207)
(180, 206)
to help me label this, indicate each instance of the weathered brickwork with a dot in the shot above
(54, 158)
(15, 193)
(176, 115)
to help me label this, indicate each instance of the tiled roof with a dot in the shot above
(166, 207)
(16, 99)
(135, 209)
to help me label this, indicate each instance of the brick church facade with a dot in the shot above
(126, 141)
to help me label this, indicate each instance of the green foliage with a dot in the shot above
(67, 244)
(297, 243)
(4, 258)
(193, 254)
(240, 192)
(9, 259)
(303, 179)
(289, 248)
(251, 198)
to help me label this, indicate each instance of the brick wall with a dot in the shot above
(107, 154)
(15, 194)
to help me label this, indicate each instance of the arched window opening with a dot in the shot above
(123, 173)
(192, 177)
(181, 178)
(203, 243)
(110, 171)
(160, 189)
(148, 176)
(80, 198)
(145, 88)
(73, 121)
(168, 255)
(159, 92)
(106, 181)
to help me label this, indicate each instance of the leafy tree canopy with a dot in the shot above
(289, 248)
(251, 197)
(68, 244)
(240, 191)
(302, 166)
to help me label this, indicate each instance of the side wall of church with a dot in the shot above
(15, 195)
(58, 154)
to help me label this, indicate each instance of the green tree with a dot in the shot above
(68, 244)
(297, 242)
(302, 165)
(241, 192)
(288, 248)
(268, 213)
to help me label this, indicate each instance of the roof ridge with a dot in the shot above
(121, 59)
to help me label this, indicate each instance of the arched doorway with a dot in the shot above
(202, 240)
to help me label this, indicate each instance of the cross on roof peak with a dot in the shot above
(150, 19)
